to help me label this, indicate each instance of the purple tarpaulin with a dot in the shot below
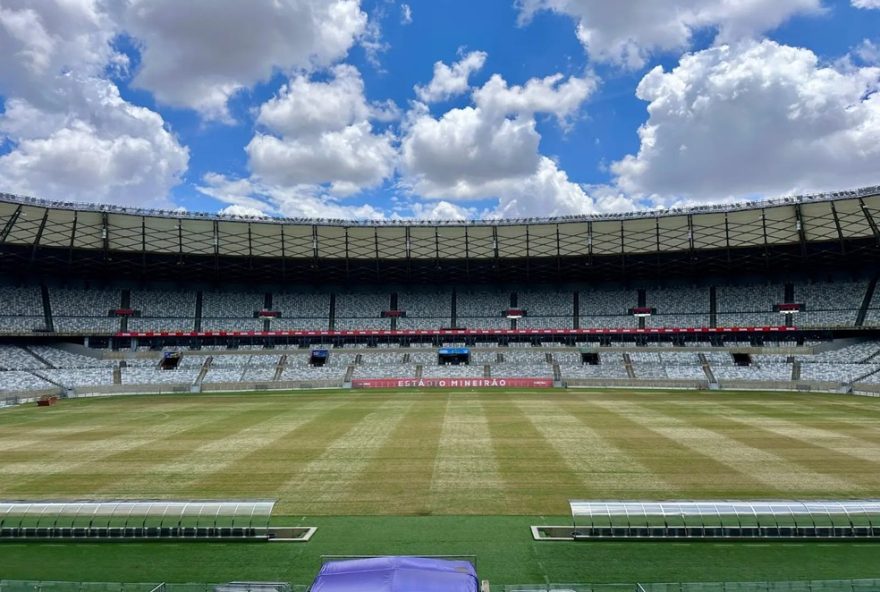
(396, 574)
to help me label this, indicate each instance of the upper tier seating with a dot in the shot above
(231, 311)
(301, 311)
(163, 310)
(22, 309)
(607, 308)
(752, 305)
(78, 310)
(482, 309)
(829, 304)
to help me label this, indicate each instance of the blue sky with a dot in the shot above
(426, 109)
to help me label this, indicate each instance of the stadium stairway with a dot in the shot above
(38, 357)
(627, 361)
(204, 371)
(871, 358)
(707, 369)
(487, 371)
(282, 364)
(795, 370)
(349, 373)
(864, 376)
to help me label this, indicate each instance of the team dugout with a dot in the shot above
(726, 519)
(142, 519)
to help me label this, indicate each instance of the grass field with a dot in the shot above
(444, 472)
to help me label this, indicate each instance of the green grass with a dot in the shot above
(440, 472)
(505, 555)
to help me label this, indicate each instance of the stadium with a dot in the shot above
(442, 389)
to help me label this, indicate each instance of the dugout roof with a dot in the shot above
(37, 232)
(851, 513)
(123, 513)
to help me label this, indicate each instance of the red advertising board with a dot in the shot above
(368, 383)
(461, 332)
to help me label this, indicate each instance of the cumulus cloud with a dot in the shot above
(751, 119)
(41, 39)
(301, 201)
(552, 95)
(201, 56)
(866, 3)
(406, 17)
(451, 81)
(626, 33)
(319, 133)
(71, 135)
(441, 210)
(237, 210)
(490, 150)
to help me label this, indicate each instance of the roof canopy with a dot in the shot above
(824, 218)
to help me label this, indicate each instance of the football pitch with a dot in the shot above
(444, 472)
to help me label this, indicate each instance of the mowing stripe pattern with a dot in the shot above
(442, 452)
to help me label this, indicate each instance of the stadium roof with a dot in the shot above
(75, 235)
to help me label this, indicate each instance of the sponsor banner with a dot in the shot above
(460, 332)
(367, 383)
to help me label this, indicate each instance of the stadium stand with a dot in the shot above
(829, 304)
(749, 306)
(678, 306)
(425, 309)
(22, 309)
(231, 311)
(162, 310)
(81, 310)
(707, 285)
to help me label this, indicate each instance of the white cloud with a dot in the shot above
(451, 81)
(303, 201)
(319, 133)
(752, 119)
(71, 134)
(441, 210)
(866, 3)
(539, 95)
(101, 148)
(304, 107)
(198, 57)
(40, 39)
(490, 150)
(406, 17)
(237, 210)
(628, 32)
(348, 160)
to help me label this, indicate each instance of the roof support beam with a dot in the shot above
(839, 229)
(39, 234)
(871, 222)
(72, 238)
(105, 234)
(9, 224)
(802, 233)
